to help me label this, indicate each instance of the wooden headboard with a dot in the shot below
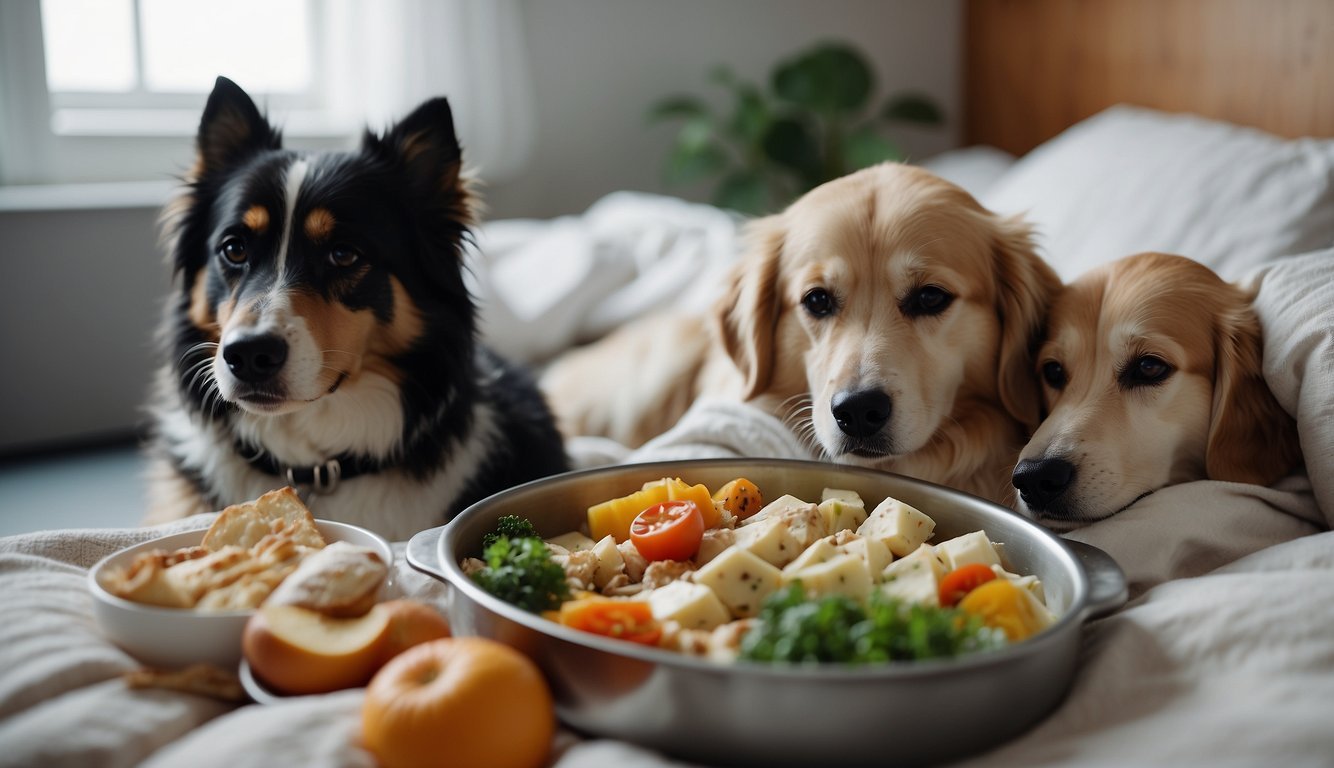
(1035, 67)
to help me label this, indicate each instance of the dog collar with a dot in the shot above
(322, 478)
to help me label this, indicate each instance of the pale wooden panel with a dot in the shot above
(1035, 67)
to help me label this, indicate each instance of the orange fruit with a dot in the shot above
(411, 622)
(459, 702)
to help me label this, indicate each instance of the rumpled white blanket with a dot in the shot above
(1225, 656)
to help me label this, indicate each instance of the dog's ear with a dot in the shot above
(747, 312)
(425, 147)
(1251, 438)
(1026, 286)
(231, 130)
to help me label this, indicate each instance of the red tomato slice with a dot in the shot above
(623, 619)
(960, 581)
(670, 530)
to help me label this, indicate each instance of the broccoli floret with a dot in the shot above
(520, 570)
(510, 527)
(792, 628)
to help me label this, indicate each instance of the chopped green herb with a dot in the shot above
(792, 628)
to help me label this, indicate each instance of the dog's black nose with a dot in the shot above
(861, 414)
(1041, 481)
(255, 359)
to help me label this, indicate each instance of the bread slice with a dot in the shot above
(341, 580)
(244, 525)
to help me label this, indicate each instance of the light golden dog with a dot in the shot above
(1152, 376)
(886, 316)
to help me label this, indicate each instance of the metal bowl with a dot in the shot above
(769, 715)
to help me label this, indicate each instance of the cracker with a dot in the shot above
(244, 525)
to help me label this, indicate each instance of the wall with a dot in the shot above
(598, 64)
(80, 290)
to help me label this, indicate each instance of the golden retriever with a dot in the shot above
(1151, 374)
(886, 316)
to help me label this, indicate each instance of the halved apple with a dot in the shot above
(299, 651)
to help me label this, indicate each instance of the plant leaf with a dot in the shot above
(913, 108)
(864, 147)
(688, 163)
(791, 144)
(743, 191)
(830, 78)
(751, 118)
(676, 107)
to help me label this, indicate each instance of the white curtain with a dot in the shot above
(384, 57)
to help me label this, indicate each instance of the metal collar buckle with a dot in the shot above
(324, 477)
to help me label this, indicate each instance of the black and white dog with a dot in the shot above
(320, 333)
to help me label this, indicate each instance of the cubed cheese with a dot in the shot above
(967, 549)
(802, 518)
(815, 554)
(841, 514)
(740, 579)
(714, 542)
(574, 541)
(610, 563)
(901, 527)
(852, 497)
(872, 552)
(770, 540)
(693, 606)
(914, 578)
(842, 575)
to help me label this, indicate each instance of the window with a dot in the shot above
(111, 90)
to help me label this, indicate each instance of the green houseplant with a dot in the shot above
(810, 125)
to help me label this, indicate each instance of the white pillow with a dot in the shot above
(1130, 179)
(976, 169)
(1295, 304)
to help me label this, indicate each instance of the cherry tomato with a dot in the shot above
(623, 619)
(962, 580)
(670, 530)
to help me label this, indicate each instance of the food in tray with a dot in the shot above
(724, 575)
(246, 554)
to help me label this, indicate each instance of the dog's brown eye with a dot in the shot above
(1145, 371)
(342, 256)
(1054, 374)
(818, 302)
(927, 300)
(232, 248)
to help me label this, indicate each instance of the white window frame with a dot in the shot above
(470, 50)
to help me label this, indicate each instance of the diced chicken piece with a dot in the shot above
(691, 606)
(691, 642)
(714, 542)
(725, 641)
(841, 575)
(579, 568)
(967, 549)
(471, 565)
(740, 579)
(660, 573)
(901, 527)
(620, 586)
(635, 563)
